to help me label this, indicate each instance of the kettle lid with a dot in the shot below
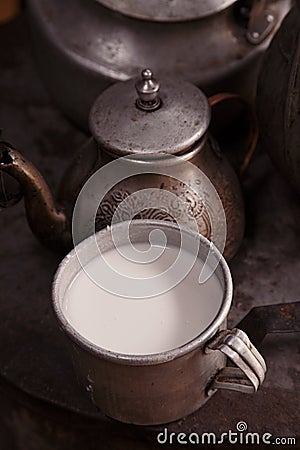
(137, 116)
(167, 10)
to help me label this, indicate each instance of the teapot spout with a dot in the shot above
(47, 223)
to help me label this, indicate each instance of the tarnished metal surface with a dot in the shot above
(50, 225)
(82, 47)
(147, 88)
(141, 389)
(167, 10)
(40, 398)
(119, 126)
(219, 187)
(279, 96)
(250, 368)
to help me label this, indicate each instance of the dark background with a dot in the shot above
(41, 406)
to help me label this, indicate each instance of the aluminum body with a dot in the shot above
(159, 388)
(167, 10)
(82, 47)
(205, 155)
(52, 224)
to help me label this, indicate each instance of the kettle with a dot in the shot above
(142, 120)
(278, 99)
(215, 44)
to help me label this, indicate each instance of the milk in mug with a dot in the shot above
(142, 326)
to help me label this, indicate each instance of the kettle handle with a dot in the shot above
(253, 131)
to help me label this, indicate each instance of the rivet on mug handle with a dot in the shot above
(251, 368)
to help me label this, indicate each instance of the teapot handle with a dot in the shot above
(253, 131)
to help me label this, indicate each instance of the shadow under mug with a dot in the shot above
(162, 387)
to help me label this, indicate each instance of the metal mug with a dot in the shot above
(162, 387)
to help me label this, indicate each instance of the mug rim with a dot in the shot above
(142, 359)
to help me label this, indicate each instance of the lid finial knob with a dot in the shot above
(147, 88)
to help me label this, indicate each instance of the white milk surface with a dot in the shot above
(142, 326)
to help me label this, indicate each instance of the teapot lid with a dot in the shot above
(167, 10)
(136, 116)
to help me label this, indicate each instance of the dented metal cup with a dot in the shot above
(162, 387)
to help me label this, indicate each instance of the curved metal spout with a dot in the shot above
(48, 224)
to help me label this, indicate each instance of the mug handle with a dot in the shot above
(253, 131)
(250, 369)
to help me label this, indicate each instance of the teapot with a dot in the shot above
(139, 119)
